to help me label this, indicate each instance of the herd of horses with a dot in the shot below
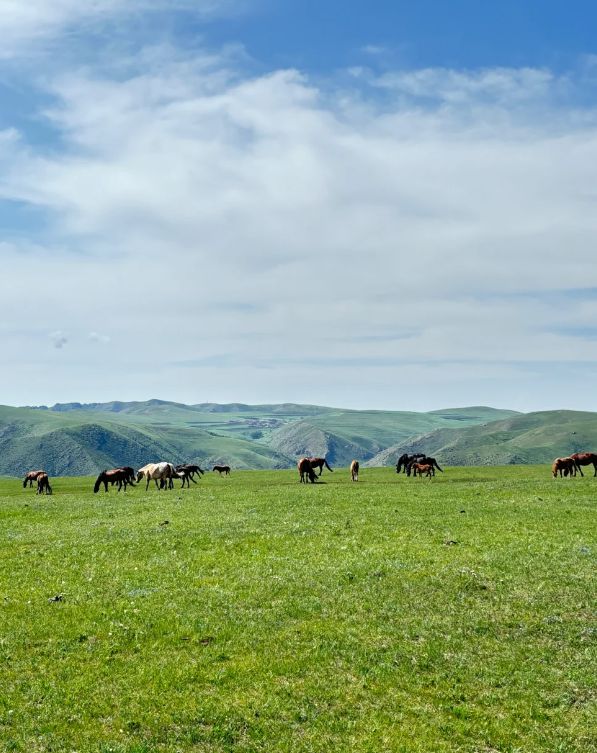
(570, 466)
(164, 474)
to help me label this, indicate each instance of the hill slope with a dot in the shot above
(342, 435)
(528, 438)
(64, 443)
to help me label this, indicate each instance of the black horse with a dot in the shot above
(188, 473)
(406, 462)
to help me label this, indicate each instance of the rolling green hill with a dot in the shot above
(342, 435)
(74, 439)
(527, 438)
(70, 443)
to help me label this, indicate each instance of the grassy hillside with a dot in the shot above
(72, 443)
(78, 439)
(344, 435)
(253, 613)
(529, 438)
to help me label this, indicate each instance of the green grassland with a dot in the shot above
(252, 613)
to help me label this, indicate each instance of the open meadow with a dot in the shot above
(253, 613)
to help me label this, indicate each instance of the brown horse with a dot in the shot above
(354, 470)
(319, 463)
(31, 477)
(222, 469)
(423, 468)
(43, 484)
(120, 476)
(585, 458)
(563, 466)
(423, 460)
(305, 470)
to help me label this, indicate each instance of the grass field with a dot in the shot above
(252, 613)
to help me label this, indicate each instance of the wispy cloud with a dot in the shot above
(58, 338)
(26, 21)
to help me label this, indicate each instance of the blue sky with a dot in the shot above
(381, 205)
(321, 36)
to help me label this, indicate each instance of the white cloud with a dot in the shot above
(25, 21)
(263, 238)
(58, 338)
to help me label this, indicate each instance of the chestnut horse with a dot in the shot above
(319, 463)
(585, 458)
(423, 460)
(222, 469)
(305, 470)
(30, 477)
(567, 465)
(120, 476)
(354, 470)
(43, 484)
(423, 468)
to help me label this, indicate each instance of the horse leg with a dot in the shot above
(579, 469)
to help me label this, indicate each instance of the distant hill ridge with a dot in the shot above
(82, 438)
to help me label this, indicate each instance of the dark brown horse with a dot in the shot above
(43, 484)
(31, 478)
(222, 469)
(306, 471)
(319, 463)
(120, 476)
(188, 473)
(563, 466)
(585, 458)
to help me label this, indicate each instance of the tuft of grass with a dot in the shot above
(395, 614)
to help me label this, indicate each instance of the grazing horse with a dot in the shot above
(354, 470)
(43, 484)
(423, 468)
(31, 477)
(405, 460)
(319, 463)
(222, 469)
(305, 470)
(157, 472)
(585, 458)
(118, 476)
(130, 474)
(567, 465)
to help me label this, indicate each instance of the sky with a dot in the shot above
(384, 205)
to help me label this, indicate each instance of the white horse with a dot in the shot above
(354, 470)
(157, 472)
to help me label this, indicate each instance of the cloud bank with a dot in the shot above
(403, 239)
